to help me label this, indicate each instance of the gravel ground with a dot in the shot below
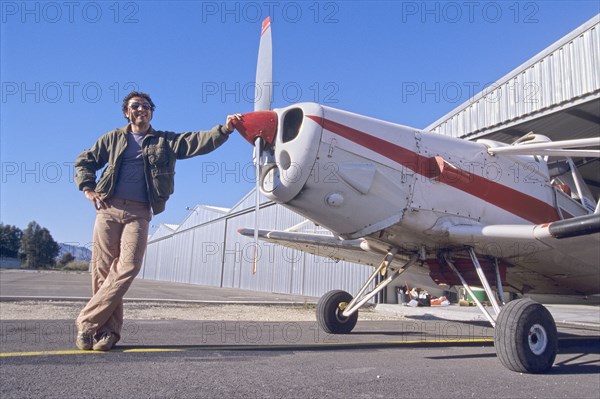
(59, 310)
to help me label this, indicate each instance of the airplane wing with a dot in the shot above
(561, 258)
(356, 251)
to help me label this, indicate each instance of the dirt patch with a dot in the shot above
(59, 310)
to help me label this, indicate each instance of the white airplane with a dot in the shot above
(465, 212)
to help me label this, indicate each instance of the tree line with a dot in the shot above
(34, 246)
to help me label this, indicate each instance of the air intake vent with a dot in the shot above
(292, 123)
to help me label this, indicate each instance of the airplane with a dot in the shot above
(518, 217)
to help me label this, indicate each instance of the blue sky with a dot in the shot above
(65, 66)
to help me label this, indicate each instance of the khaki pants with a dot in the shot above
(120, 238)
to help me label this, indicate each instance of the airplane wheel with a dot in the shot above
(329, 313)
(525, 337)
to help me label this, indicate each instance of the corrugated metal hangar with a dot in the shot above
(206, 249)
(556, 94)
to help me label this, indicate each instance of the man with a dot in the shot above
(136, 183)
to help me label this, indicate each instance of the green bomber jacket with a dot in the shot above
(160, 150)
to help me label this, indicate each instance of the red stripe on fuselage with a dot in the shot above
(511, 200)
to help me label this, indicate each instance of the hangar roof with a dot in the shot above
(556, 93)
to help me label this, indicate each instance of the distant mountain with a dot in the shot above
(81, 254)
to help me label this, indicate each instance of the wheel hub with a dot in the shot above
(538, 339)
(339, 314)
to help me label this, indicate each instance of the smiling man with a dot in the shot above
(137, 180)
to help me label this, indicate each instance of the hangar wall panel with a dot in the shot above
(206, 259)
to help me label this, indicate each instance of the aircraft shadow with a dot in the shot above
(429, 317)
(573, 345)
(577, 364)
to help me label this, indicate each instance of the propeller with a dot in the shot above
(257, 160)
(259, 127)
(264, 69)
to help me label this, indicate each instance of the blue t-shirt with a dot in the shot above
(131, 182)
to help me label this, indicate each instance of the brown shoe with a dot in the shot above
(84, 340)
(105, 342)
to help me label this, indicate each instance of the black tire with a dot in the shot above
(329, 313)
(525, 337)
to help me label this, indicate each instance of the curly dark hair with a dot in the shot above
(143, 95)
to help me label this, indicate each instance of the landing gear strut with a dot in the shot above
(525, 334)
(337, 311)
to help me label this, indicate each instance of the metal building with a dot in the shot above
(556, 93)
(207, 250)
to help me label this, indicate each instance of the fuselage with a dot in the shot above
(357, 176)
(404, 188)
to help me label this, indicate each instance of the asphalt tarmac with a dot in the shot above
(416, 356)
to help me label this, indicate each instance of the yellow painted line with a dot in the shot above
(48, 353)
(359, 344)
(444, 341)
(252, 347)
(144, 350)
(299, 346)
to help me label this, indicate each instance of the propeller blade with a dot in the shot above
(259, 127)
(264, 70)
(258, 155)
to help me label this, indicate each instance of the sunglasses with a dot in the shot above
(137, 105)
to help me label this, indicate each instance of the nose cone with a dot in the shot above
(261, 124)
